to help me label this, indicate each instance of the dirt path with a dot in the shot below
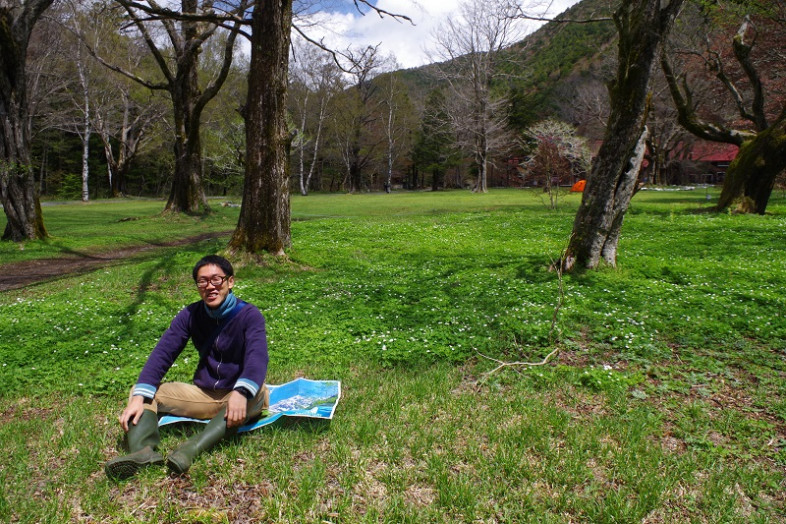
(21, 274)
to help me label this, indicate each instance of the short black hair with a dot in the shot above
(215, 260)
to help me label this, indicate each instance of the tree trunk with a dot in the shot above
(641, 25)
(753, 171)
(17, 182)
(85, 135)
(264, 223)
(86, 126)
(317, 138)
(187, 194)
(437, 179)
(301, 149)
(355, 173)
(625, 191)
(17, 185)
(355, 161)
(481, 155)
(86, 159)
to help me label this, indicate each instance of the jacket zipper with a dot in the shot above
(220, 361)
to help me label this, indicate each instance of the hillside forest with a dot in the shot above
(106, 121)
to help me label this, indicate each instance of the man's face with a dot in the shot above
(214, 295)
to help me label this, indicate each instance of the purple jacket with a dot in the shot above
(237, 359)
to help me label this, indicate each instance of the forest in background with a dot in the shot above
(371, 126)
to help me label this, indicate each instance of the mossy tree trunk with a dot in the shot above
(641, 24)
(264, 223)
(753, 171)
(762, 149)
(17, 182)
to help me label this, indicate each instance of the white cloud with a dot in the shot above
(408, 42)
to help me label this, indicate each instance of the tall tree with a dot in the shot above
(79, 120)
(361, 112)
(397, 119)
(17, 182)
(642, 25)
(264, 223)
(181, 81)
(471, 47)
(759, 129)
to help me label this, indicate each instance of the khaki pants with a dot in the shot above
(187, 400)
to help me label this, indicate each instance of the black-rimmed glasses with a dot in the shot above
(216, 281)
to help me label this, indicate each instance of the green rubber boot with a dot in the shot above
(180, 460)
(143, 440)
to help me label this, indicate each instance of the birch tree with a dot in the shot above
(397, 121)
(316, 80)
(123, 110)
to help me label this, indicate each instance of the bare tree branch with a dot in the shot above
(688, 117)
(559, 19)
(742, 50)
(381, 12)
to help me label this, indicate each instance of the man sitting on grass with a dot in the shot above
(229, 382)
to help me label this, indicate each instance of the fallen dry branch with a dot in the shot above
(554, 317)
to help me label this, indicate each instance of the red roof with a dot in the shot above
(713, 151)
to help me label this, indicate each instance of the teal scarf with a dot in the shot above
(224, 309)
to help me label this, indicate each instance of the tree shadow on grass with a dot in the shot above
(165, 264)
(75, 262)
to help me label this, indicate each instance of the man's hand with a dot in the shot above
(236, 409)
(133, 412)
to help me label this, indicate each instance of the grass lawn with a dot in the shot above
(665, 403)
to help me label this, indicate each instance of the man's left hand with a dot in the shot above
(236, 409)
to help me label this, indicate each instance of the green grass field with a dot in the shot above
(665, 403)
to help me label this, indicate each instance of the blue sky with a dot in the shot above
(342, 25)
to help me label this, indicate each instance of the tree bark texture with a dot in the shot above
(187, 194)
(641, 25)
(264, 223)
(753, 171)
(17, 182)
